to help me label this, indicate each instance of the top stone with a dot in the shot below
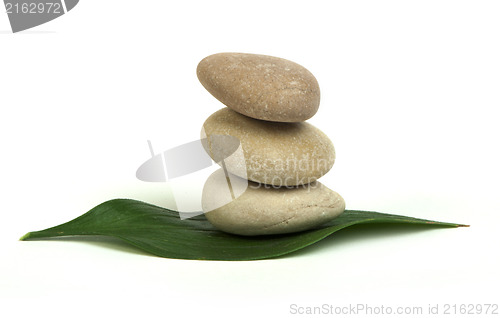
(261, 86)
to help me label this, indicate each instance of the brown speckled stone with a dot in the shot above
(280, 154)
(260, 86)
(264, 210)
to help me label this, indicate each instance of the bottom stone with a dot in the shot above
(263, 209)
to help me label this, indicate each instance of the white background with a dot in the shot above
(410, 92)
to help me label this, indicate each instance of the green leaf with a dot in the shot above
(161, 232)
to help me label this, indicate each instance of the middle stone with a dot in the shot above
(279, 154)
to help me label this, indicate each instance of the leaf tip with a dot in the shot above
(25, 237)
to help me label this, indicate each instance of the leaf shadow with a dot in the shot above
(362, 232)
(106, 242)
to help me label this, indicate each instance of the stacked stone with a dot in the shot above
(268, 100)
